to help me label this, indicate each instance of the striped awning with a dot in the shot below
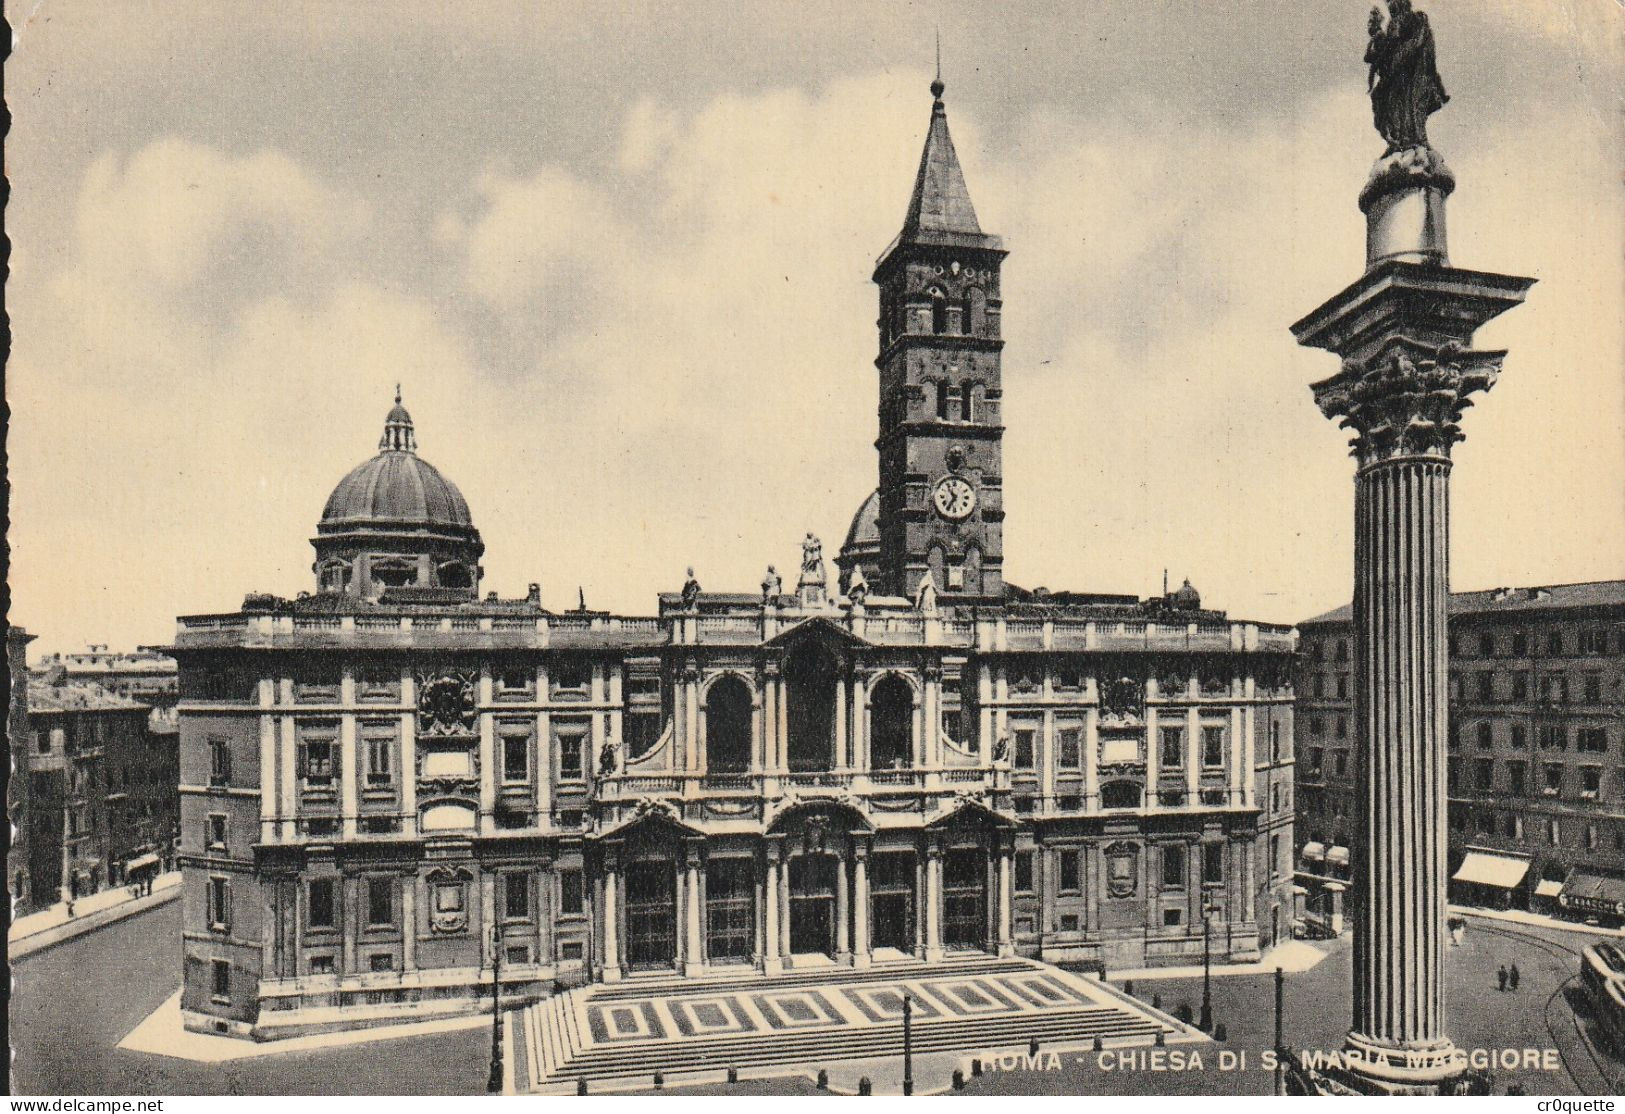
(1491, 870)
(1548, 887)
(142, 862)
(1338, 856)
(1314, 852)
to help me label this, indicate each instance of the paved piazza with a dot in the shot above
(627, 1031)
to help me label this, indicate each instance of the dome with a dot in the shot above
(1187, 598)
(397, 486)
(864, 533)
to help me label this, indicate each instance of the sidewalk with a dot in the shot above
(1537, 920)
(52, 926)
(1293, 957)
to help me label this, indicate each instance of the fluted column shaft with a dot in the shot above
(1401, 569)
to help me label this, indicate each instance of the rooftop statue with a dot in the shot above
(1404, 79)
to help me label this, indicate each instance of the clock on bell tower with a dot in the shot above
(941, 507)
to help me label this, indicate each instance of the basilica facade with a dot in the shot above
(395, 790)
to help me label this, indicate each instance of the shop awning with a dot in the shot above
(142, 862)
(1314, 852)
(1485, 869)
(1338, 856)
(1548, 887)
(1589, 892)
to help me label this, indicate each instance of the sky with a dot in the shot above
(619, 262)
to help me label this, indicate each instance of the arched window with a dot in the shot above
(891, 718)
(939, 312)
(975, 312)
(727, 727)
(810, 678)
(455, 575)
(942, 400)
(1120, 794)
(968, 400)
(973, 570)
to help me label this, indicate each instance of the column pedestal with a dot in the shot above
(772, 957)
(861, 954)
(933, 904)
(612, 936)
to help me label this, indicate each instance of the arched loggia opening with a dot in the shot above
(809, 676)
(891, 718)
(727, 727)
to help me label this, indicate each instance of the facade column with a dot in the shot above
(349, 922)
(409, 923)
(772, 955)
(488, 756)
(843, 913)
(1091, 758)
(784, 906)
(1403, 334)
(781, 730)
(1193, 756)
(1006, 854)
(843, 760)
(612, 916)
(862, 956)
(933, 902)
(695, 959)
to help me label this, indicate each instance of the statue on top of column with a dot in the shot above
(1404, 78)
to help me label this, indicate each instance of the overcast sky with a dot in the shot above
(620, 264)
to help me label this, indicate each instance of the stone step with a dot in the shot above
(640, 987)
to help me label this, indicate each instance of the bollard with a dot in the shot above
(1128, 986)
(976, 1067)
(1156, 1001)
(1032, 1047)
(864, 1086)
(823, 1080)
(1099, 1044)
(581, 1086)
(1220, 1033)
(733, 1075)
(660, 1080)
(1161, 1038)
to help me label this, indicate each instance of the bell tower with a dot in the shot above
(941, 507)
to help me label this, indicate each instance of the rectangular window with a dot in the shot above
(1486, 687)
(1554, 643)
(1342, 686)
(1484, 773)
(1591, 779)
(1593, 688)
(219, 904)
(570, 676)
(1212, 863)
(321, 965)
(1069, 871)
(1171, 917)
(516, 757)
(1025, 759)
(1520, 686)
(380, 751)
(220, 988)
(1520, 737)
(317, 758)
(514, 680)
(1342, 727)
(1342, 762)
(1594, 641)
(380, 902)
(322, 906)
(1212, 746)
(516, 897)
(1486, 736)
(1173, 748)
(1275, 741)
(217, 831)
(1592, 740)
(1071, 750)
(570, 901)
(1069, 922)
(571, 745)
(1515, 774)
(1486, 645)
(1173, 866)
(1554, 779)
(643, 731)
(1024, 872)
(219, 762)
(381, 961)
(1316, 727)
(1520, 644)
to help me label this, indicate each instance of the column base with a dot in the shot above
(612, 974)
(1006, 950)
(862, 959)
(933, 954)
(772, 965)
(692, 969)
(1380, 1068)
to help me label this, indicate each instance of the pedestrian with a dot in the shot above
(1512, 977)
(1501, 977)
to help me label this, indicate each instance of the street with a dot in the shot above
(73, 1003)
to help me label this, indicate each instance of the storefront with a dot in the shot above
(1489, 879)
(1589, 894)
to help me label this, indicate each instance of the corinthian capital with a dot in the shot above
(1407, 400)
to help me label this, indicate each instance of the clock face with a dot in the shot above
(955, 498)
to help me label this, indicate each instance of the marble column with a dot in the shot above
(843, 913)
(933, 903)
(772, 956)
(1403, 332)
(612, 935)
(1006, 947)
(862, 956)
(695, 955)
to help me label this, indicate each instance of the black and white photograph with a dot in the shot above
(909, 548)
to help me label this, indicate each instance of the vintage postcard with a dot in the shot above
(768, 548)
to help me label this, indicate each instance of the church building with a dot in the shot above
(395, 789)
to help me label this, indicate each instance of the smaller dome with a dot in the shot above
(1187, 598)
(865, 529)
(397, 485)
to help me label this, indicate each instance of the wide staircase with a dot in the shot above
(561, 1047)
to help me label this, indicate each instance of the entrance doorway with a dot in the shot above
(812, 904)
(730, 909)
(891, 900)
(651, 915)
(964, 898)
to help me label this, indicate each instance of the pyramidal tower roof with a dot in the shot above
(940, 209)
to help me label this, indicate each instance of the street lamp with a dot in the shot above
(908, 1045)
(1206, 1022)
(1280, 1039)
(494, 1083)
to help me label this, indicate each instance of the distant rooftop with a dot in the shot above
(1593, 593)
(76, 696)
